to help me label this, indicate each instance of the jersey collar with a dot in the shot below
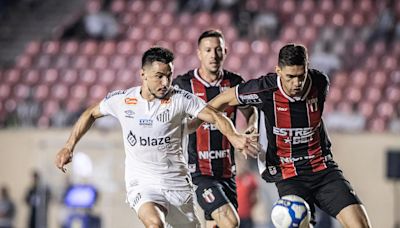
(204, 82)
(292, 99)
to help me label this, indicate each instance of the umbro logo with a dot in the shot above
(281, 109)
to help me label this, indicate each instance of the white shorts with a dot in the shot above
(178, 203)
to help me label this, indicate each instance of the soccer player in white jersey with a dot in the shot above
(157, 181)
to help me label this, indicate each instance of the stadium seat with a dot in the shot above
(373, 94)
(99, 62)
(70, 47)
(395, 77)
(377, 125)
(107, 47)
(97, 92)
(62, 61)
(87, 77)
(260, 47)
(5, 90)
(50, 47)
(167, 20)
(69, 76)
(222, 19)
(106, 77)
(43, 61)
(23, 61)
(125, 47)
(378, 78)
(183, 48)
(135, 33)
(33, 48)
(59, 92)
(358, 78)
(12, 76)
(21, 92)
(154, 33)
(366, 109)
(117, 62)
(41, 93)
(117, 6)
(50, 76)
(78, 92)
(80, 62)
(31, 77)
(155, 6)
(88, 47)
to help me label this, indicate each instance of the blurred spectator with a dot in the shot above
(266, 25)
(98, 23)
(247, 190)
(7, 209)
(324, 59)
(28, 112)
(386, 23)
(345, 119)
(37, 198)
(196, 5)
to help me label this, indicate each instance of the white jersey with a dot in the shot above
(152, 134)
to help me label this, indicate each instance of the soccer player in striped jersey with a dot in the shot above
(211, 156)
(298, 157)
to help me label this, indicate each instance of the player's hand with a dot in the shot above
(247, 144)
(63, 157)
(251, 130)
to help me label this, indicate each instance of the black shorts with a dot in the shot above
(328, 189)
(213, 193)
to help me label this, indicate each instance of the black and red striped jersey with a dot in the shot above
(297, 139)
(210, 153)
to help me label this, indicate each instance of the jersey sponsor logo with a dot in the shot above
(185, 94)
(131, 138)
(148, 141)
(209, 126)
(199, 94)
(313, 104)
(164, 116)
(208, 195)
(250, 98)
(281, 109)
(146, 122)
(129, 114)
(130, 100)
(286, 160)
(295, 135)
(165, 101)
(117, 92)
(213, 154)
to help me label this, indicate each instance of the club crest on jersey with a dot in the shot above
(146, 122)
(164, 116)
(131, 139)
(130, 100)
(208, 195)
(272, 170)
(313, 104)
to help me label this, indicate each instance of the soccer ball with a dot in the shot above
(291, 211)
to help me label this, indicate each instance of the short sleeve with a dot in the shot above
(248, 93)
(194, 104)
(109, 105)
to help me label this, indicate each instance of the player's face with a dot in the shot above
(293, 79)
(211, 53)
(157, 77)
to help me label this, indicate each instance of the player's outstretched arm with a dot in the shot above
(220, 102)
(85, 121)
(247, 143)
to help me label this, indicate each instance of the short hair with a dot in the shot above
(210, 33)
(292, 55)
(159, 54)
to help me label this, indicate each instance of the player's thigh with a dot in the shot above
(226, 216)
(151, 214)
(354, 215)
(181, 212)
(296, 187)
(335, 193)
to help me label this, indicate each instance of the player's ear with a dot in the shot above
(198, 53)
(142, 75)
(278, 70)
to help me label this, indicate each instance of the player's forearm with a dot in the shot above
(83, 124)
(224, 124)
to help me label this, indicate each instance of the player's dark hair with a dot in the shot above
(159, 54)
(293, 55)
(210, 33)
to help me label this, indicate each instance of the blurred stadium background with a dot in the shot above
(57, 57)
